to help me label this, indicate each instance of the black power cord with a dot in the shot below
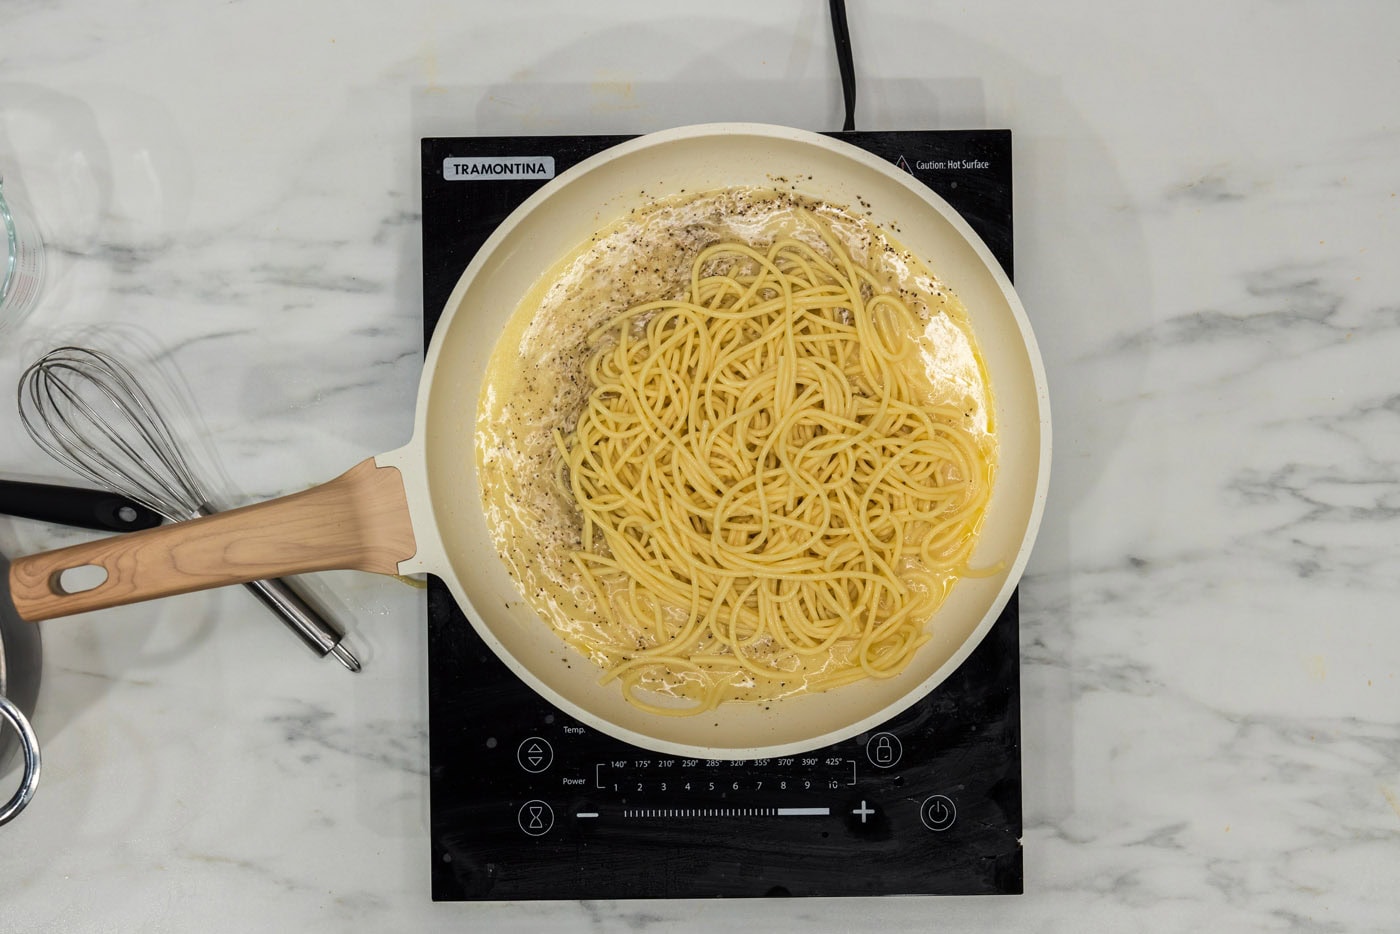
(842, 33)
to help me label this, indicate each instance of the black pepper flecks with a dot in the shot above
(647, 256)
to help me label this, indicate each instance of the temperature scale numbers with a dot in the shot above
(716, 776)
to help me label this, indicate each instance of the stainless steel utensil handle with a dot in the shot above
(29, 743)
(320, 635)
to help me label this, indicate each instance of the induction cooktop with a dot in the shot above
(528, 803)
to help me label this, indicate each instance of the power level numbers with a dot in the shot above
(719, 785)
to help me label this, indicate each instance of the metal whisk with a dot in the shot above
(90, 413)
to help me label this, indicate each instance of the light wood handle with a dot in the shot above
(358, 521)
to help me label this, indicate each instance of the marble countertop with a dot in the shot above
(1206, 229)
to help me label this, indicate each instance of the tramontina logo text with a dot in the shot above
(490, 168)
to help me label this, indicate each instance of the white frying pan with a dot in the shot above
(417, 509)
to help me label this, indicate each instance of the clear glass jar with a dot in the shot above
(22, 275)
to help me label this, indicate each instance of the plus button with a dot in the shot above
(864, 811)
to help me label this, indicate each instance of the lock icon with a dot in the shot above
(883, 750)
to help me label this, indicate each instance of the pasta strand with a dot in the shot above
(764, 489)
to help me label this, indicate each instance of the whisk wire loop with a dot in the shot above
(91, 413)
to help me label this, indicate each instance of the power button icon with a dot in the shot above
(883, 750)
(937, 812)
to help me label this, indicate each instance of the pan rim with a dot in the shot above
(440, 563)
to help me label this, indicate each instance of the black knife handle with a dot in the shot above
(65, 505)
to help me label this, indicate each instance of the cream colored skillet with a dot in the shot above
(418, 509)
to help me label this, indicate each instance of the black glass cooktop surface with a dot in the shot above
(527, 803)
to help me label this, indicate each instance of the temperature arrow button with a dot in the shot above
(534, 754)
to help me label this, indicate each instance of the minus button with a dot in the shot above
(586, 814)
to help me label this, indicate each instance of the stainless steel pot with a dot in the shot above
(21, 654)
(21, 651)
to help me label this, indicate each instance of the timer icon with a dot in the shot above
(535, 818)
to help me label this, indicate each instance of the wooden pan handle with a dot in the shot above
(358, 521)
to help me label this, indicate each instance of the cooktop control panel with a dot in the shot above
(529, 803)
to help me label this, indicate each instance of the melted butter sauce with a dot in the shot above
(536, 383)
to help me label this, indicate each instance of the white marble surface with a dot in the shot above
(1207, 225)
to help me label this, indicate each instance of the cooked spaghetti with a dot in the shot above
(772, 491)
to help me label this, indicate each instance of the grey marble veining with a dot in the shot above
(1206, 225)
